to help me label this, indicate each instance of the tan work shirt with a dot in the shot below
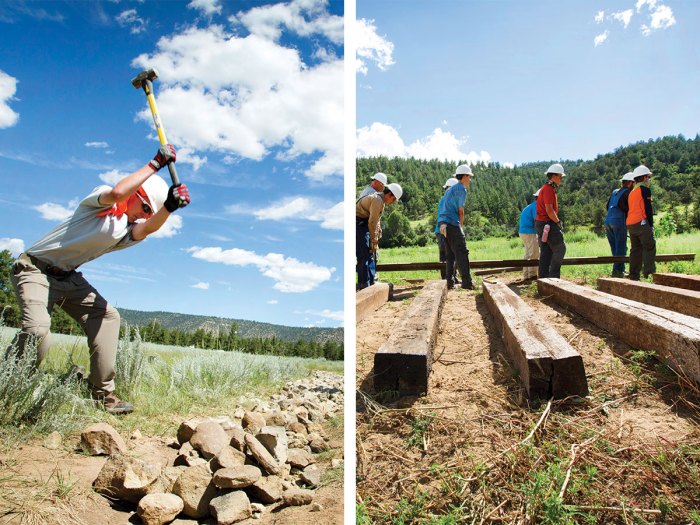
(371, 208)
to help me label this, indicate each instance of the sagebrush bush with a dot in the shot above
(131, 366)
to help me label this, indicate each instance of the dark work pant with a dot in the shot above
(456, 252)
(551, 252)
(365, 258)
(642, 250)
(617, 237)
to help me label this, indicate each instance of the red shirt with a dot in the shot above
(547, 196)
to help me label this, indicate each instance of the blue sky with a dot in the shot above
(250, 94)
(519, 81)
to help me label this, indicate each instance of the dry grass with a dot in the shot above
(569, 461)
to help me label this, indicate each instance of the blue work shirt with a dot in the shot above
(527, 218)
(452, 201)
(441, 206)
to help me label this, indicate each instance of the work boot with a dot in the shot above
(618, 274)
(112, 404)
(468, 286)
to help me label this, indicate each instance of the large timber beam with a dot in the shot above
(679, 280)
(369, 299)
(674, 337)
(403, 363)
(521, 263)
(677, 299)
(548, 365)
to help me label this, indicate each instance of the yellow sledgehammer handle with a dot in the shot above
(148, 89)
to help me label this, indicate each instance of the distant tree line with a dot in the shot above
(62, 323)
(498, 194)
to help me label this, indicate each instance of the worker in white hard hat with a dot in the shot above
(450, 222)
(379, 180)
(551, 243)
(640, 225)
(108, 219)
(527, 233)
(439, 236)
(368, 213)
(615, 227)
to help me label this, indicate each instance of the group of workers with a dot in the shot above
(629, 212)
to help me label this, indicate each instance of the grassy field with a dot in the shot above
(164, 383)
(579, 243)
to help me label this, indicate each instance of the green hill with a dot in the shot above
(246, 329)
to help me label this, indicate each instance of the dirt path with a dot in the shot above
(436, 451)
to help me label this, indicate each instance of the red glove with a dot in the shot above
(165, 155)
(178, 197)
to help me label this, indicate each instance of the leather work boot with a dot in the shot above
(112, 404)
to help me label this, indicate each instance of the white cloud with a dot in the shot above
(599, 39)
(56, 212)
(371, 47)
(336, 315)
(99, 145)
(271, 99)
(208, 7)
(600, 15)
(289, 274)
(641, 3)
(508, 165)
(112, 177)
(382, 139)
(8, 88)
(623, 16)
(303, 17)
(379, 139)
(171, 227)
(662, 18)
(273, 301)
(201, 286)
(131, 19)
(298, 208)
(14, 246)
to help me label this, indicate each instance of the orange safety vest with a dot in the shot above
(637, 212)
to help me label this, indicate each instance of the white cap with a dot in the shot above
(536, 193)
(156, 190)
(641, 170)
(395, 189)
(629, 176)
(556, 169)
(380, 177)
(450, 182)
(464, 169)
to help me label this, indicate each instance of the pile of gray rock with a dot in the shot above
(229, 467)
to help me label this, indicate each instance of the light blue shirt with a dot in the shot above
(452, 201)
(527, 218)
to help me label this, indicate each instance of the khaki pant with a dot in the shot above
(532, 251)
(37, 293)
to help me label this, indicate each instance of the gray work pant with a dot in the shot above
(551, 252)
(642, 250)
(38, 293)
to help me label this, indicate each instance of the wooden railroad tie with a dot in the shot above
(674, 337)
(679, 280)
(404, 361)
(677, 299)
(547, 364)
(369, 299)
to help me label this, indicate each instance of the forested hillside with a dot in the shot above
(193, 330)
(498, 194)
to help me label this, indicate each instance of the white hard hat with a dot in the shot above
(536, 193)
(395, 189)
(641, 170)
(629, 176)
(450, 182)
(556, 169)
(464, 169)
(380, 177)
(156, 190)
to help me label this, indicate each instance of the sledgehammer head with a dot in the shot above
(148, 74)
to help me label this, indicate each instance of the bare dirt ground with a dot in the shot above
(467, 449)
(54, 487)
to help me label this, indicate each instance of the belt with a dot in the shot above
(359, 221)
(48, 269)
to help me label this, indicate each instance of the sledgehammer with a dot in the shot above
(145, 80)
